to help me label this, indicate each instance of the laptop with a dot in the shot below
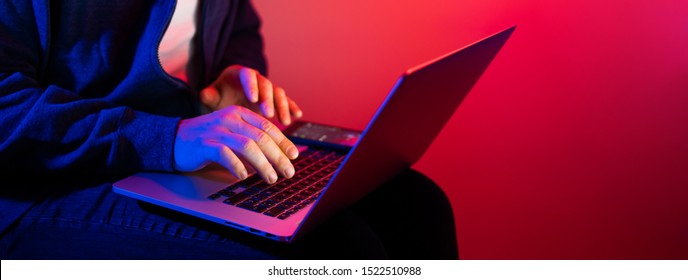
(336, 166)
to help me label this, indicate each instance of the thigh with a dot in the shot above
(95, 223)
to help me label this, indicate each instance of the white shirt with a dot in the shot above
(175, 47)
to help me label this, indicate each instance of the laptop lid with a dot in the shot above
(416, 110)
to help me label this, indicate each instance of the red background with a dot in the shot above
(573, 145)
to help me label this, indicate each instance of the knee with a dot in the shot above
(420, 187)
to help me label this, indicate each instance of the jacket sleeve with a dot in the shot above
(47, 129)
(245, 46)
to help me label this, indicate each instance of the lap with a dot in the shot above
(94, 222)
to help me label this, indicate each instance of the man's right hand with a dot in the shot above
(229, 135)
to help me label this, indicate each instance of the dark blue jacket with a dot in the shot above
(82, 91)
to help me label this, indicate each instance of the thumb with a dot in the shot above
(210, 97)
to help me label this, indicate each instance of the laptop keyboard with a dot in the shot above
(314, 169)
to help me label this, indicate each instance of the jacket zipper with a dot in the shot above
(157, 51)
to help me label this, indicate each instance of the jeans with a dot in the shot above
(407, 218)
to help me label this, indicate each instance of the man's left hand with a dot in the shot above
(239, 85)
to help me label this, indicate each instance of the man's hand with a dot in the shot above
(239, 85)
(229, 134)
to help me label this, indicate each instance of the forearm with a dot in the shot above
(53, 130)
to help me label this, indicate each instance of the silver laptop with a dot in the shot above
(336, 166)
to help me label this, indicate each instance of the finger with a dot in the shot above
(294, 109)
(282, 106)
(267, 145)
(249, 151)
(265, 95)
(223, 155)
(270, 129)
(249, 82)
(210, 97)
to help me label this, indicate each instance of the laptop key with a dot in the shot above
(254, 208)
(280, 196)
(288, 204)
(260, 196)
(245, 205)
(251, 201)
(259, 208)
(289, 192)
(283, 216)
(289, 212)
(251, 180)
(226, 193)
(267, 193)
(275, 211)
(307, 192)
(233, 200)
